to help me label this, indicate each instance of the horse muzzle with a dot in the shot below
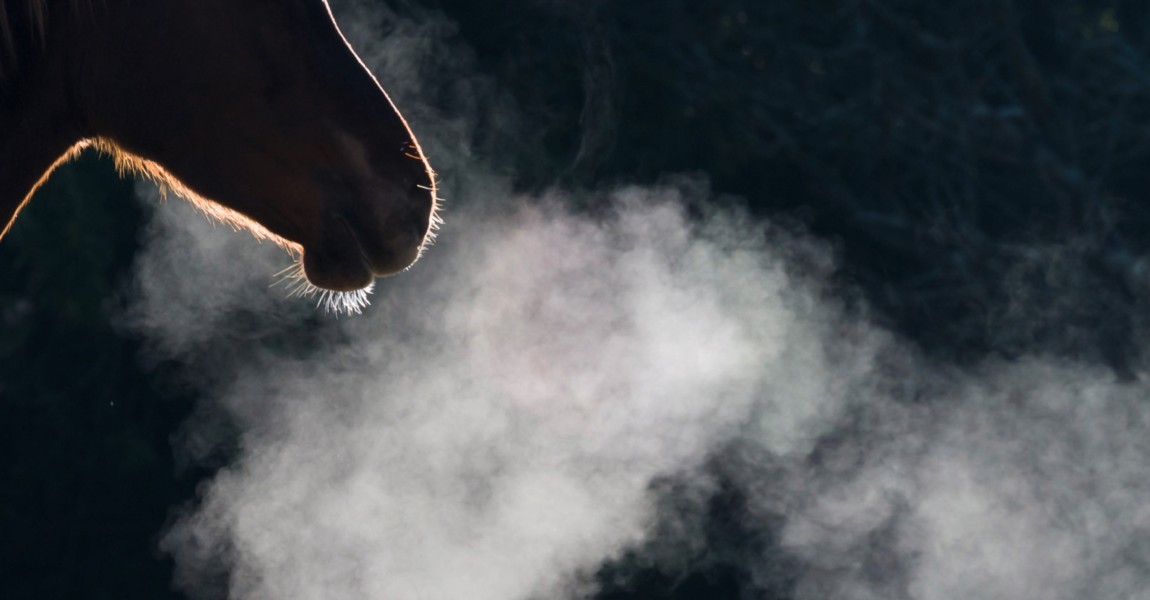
(359, 241)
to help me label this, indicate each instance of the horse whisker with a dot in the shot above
(339, 303)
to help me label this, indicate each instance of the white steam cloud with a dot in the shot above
(496, 426)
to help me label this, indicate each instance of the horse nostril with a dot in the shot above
(408, 237)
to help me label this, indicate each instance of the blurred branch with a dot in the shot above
(1022, 63)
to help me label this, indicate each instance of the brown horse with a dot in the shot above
(256, 110)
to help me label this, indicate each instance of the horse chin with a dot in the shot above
(336, 274)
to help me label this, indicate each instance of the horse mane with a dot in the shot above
(23, 25)
(19, 20)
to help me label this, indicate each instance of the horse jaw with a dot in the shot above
(35, 138)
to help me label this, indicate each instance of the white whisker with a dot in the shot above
(340, 303)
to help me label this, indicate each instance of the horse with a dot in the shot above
(258, 111)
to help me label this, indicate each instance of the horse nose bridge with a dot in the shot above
(351, 86)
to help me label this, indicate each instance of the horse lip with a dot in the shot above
(390, 261)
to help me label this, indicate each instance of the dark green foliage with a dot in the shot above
(951, 150)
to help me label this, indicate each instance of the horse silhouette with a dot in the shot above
(258, 111)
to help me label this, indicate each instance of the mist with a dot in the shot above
(504, 418)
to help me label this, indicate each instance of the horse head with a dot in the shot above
(257, 110)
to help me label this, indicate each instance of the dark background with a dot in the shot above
(980, 168)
